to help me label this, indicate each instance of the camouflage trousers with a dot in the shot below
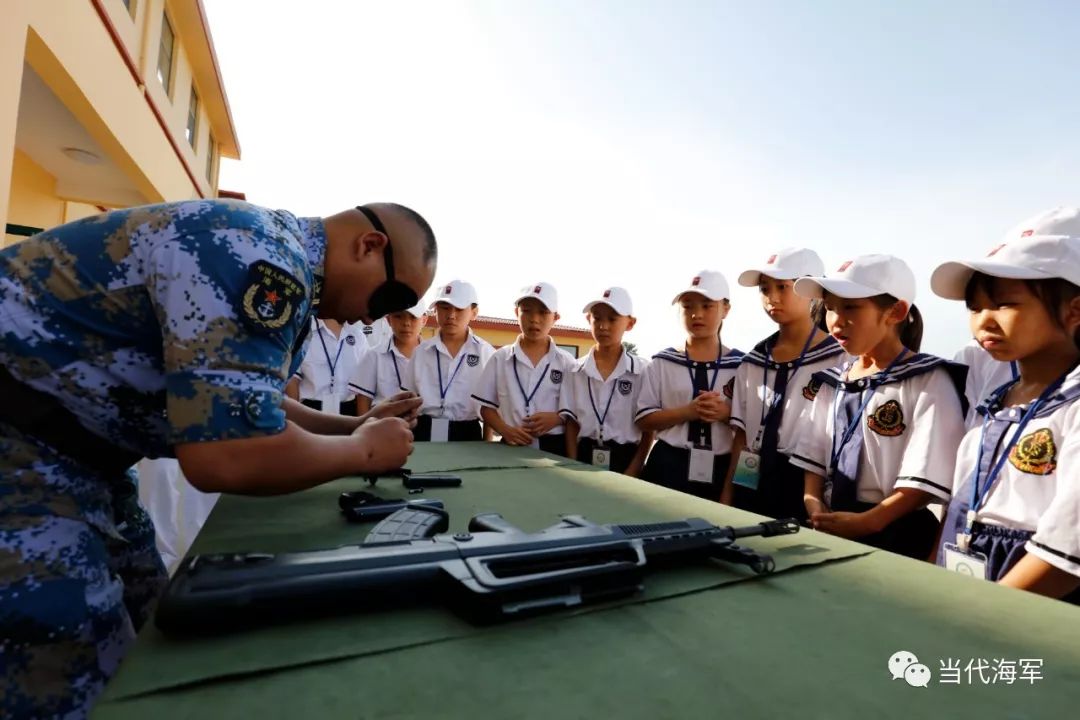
(79, 574)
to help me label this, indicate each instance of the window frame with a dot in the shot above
(191, 129)
(167, 82)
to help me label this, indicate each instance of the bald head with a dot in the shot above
(356, 256)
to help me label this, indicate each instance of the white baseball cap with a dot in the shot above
(418, 310)
(458, 293)
(544, 292)
(616, 298)
(786, 264)
(709, 283)
(863, 277)
(1045, 246)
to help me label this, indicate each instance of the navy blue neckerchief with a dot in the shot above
(844, 473)
(699, 433)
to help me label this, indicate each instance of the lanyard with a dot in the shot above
(601, 418)
(438, 364)
(393, 356)
(528, 398)
(857, 419)
(980, 491)
(332, 363)
(689, 369)
(1015, 369)
(778, 398)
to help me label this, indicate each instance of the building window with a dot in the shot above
(193, 118)
(572, 349)
(165, 55)
(210, 149)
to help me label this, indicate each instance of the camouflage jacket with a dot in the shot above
(164, 324)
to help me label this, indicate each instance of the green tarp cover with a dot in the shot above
(814, 638)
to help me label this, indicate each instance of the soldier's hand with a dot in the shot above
(405, 405)
(385, 445)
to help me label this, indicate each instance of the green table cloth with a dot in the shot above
(814, 638)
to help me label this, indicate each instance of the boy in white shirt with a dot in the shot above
(333, 355)
(445, 368)
(599, 398)
(384, 370)
(519, 389)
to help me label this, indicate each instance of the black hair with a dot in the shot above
(430, 252)
(1053, 293)
(911, 327)
(817, 314)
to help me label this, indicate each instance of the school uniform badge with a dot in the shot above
(472, 360)
(625, 387)
(350, 340)
(729, 389)
(270, 298)
(556, 376)
(810, 390)
(1036, 453)
(888, 419)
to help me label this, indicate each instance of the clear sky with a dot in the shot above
(633, 143)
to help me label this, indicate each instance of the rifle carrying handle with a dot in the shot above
(412, 522)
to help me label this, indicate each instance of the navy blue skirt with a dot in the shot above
(779, 493)
(912, 535)
(1003, 548)
(669, 466)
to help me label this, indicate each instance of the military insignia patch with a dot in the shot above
(472, 360)
(729, 389)
(556, 376)
(888, 419)
(270, 298)
(810, 391)
(1036, 453)
(626, 386)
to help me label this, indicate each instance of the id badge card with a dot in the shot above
(747, 470)
(440, 429)
(701, 465)
(331, 405)
(601, 457)
(965, 562)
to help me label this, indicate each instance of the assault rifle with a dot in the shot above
(493, 571)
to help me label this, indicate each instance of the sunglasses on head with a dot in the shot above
(392, 295)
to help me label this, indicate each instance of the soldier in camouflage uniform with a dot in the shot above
(163, 331)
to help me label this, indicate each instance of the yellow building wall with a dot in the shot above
(74, 54)
(33, 196)
(501, 337)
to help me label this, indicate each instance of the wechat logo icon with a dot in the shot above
(903, 665)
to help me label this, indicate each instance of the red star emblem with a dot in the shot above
(272, 296)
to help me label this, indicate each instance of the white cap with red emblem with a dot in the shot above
(544, 292)
(709, 283)
(1045, 246)
(458, 293)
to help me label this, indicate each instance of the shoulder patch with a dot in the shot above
(1036, 453)
(270, 297)
(626, 386)
(888, 419)
(729, 389)
(810, 390)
